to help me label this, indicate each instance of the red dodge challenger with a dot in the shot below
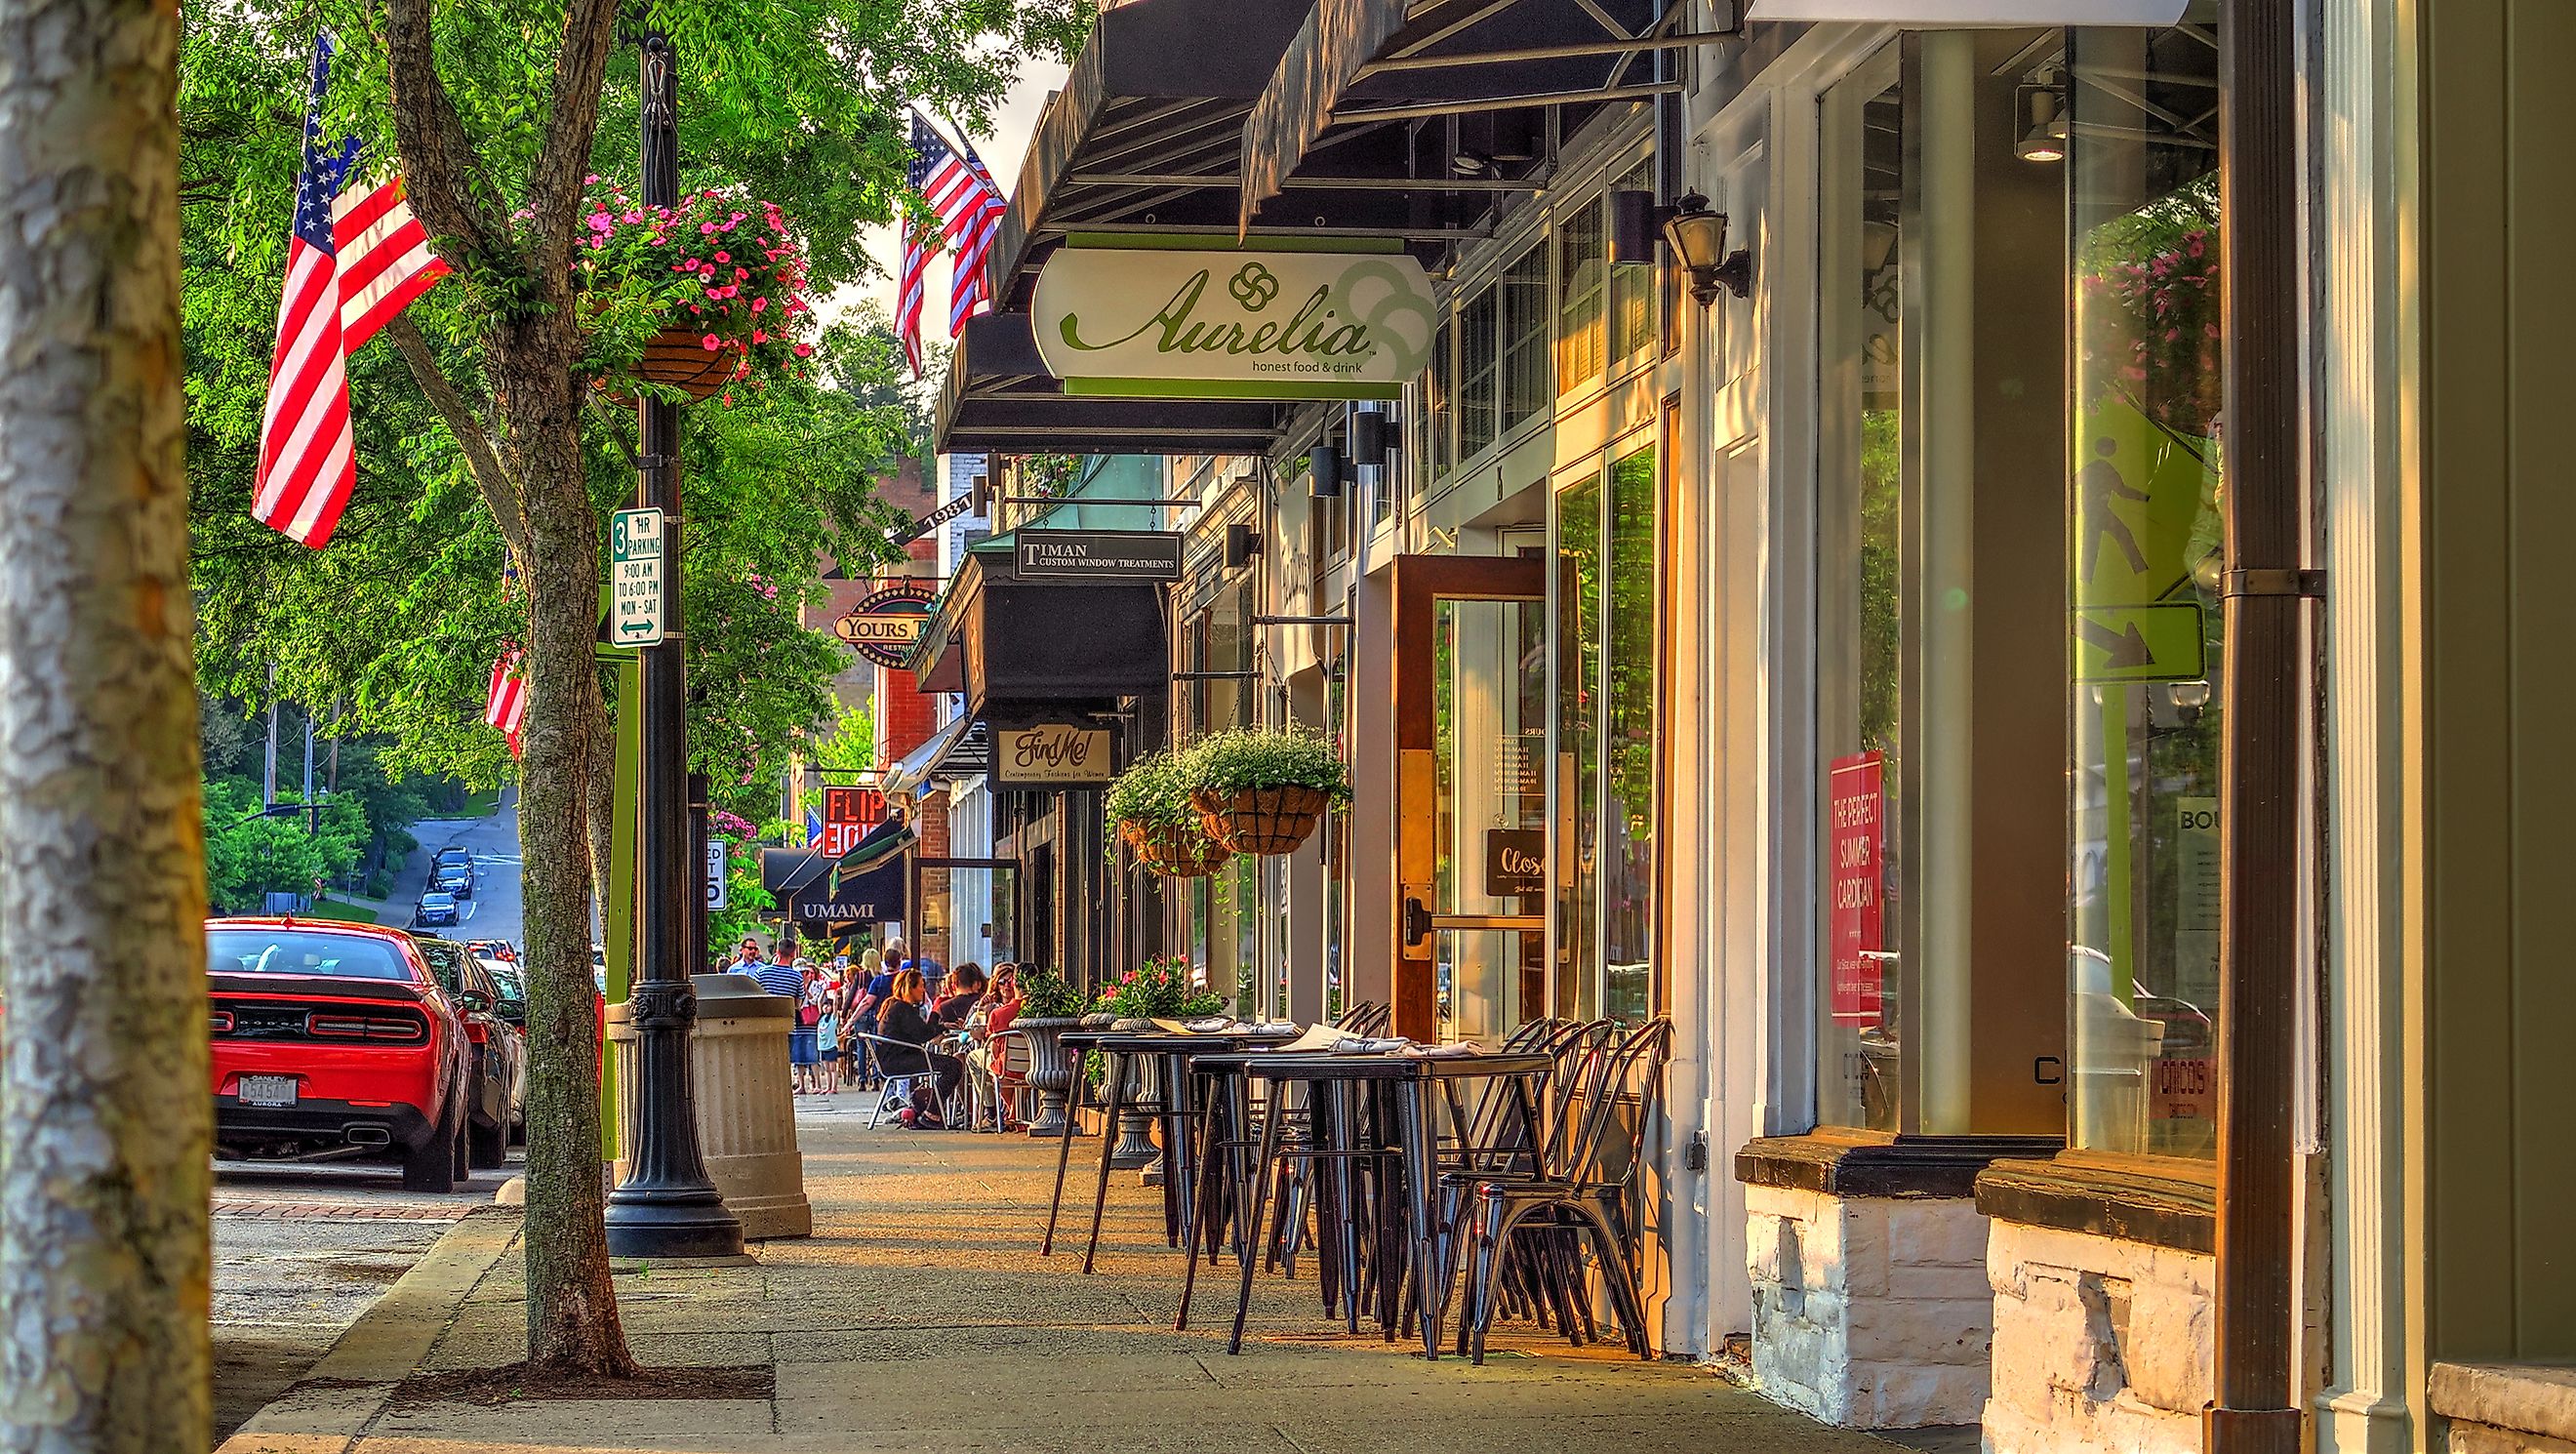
(333, 1040)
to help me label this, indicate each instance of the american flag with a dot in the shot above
(352, 263)
(506, 705)
(969, 206)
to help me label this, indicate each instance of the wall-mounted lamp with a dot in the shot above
(1242, 543)
(1324, 471)
(1370, 440)
(2042, 110)
(1697, 237)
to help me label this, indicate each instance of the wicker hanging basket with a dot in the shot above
(1176, 850)
(681, 359)
(1263, 821)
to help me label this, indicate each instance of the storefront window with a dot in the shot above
(1632, 289)
(1582, 270)
(1489, 739)
(1480, 357)
(2142, 173)
(1629, 992)
(1578, 747)
(1859, 593)
(1439, 446)
(1526, 394)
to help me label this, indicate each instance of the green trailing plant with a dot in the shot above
(1045, 996)
(1251, 758)
(1149, 794)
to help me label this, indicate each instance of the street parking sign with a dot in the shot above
(635, 578)
(715, 875)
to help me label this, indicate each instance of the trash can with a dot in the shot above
(746, 1110)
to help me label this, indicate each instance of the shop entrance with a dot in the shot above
(1471, 684)
(966, 911)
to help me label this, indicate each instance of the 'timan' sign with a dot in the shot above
(1142, 322)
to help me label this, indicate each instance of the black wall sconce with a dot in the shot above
(1242, 543)
(1324, 473)
(1696, 235)
(1370, 440)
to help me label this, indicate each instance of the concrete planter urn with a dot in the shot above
(746, 1117)
(1136, 1149)
(1050, 1071)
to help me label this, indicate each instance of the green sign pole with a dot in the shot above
(617, 913)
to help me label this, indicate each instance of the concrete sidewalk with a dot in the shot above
(920, 1317)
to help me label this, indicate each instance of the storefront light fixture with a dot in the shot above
(1370, 439)
(1697, 237)
(1324, 471)
(2043, 115)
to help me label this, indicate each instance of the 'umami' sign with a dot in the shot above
(1145, 322)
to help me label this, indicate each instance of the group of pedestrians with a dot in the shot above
(859, 1021)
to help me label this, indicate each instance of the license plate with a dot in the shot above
(266, 1090)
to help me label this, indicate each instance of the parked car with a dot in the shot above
(334, 1040)
(452, 854)
(436, 907)
(453, 878)
(496, 1083)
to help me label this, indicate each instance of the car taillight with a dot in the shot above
(364, 1027)
(220, 1021)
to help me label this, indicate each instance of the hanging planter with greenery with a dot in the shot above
(703, 297)
(1148, 808)
(1263, 791)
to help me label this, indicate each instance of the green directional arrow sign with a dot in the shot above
(2162, 642)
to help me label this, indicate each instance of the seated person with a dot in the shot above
(965, 992)
(907, 1019)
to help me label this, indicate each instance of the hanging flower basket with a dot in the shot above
(1263, 792)
(1179, 850)
(1262, 821)
(681, 359)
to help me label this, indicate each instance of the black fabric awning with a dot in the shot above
(962, 748)
(864, 886)
(1047, 644)
(999, 398)
(1144, 132)
(1482, 75)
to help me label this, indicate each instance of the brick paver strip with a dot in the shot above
(342, 1211)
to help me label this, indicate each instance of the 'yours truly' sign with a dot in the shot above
(1151, 323)
(1056, 754)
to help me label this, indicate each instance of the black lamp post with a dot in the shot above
(666, 1207)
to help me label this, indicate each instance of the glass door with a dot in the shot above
(1471, 751)
(966, 911)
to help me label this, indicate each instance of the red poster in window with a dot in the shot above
(1855, 842)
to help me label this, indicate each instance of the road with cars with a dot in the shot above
(301, 1250)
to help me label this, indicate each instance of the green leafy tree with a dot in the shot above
(496, 142)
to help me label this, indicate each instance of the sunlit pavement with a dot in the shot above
(921, 1317)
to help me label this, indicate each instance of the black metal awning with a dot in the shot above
(1465, 95)
(1000, 399)
(1047, 644)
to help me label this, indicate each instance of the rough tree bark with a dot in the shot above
(105, 1126)
(530, 354)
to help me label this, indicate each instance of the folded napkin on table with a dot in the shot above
(1358, 1045)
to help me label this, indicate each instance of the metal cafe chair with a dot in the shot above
(899, 1083)
(1587, 1192)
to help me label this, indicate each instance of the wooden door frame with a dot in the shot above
(1421, 583)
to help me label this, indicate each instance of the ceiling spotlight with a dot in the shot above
(2043, 115)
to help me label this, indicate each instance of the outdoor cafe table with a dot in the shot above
(1412, 1078)
(1170, 1052)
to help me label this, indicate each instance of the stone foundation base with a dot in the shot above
(2099, 1344)
(1869, 1312)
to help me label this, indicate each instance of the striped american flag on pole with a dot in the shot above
(969, 207)
(352, 263)
(972, 238)
(506, 705)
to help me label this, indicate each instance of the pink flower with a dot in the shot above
(757, 304)
(758, 336)
(710, 343)
(707, 227)
(591, 181)
(804, 349)
(724, 257)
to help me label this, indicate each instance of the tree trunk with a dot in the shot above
(572, 1308)
(105, 1121)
